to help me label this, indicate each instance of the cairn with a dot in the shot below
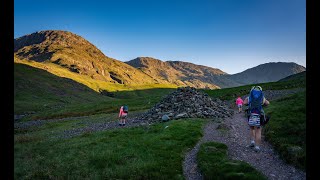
(186, 102)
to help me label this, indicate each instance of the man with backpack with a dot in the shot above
(123, 115)
(255, 101)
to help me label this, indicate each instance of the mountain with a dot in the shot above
(73, 52)
(182, 73)
(62, 52)
(268, 72)
(185, 73)
(157, 69)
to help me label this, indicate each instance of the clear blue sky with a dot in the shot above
(232, 35)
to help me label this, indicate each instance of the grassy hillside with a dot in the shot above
(287, 128)
(231, 93)
(36, 89)
(298, 76)
(49, 95)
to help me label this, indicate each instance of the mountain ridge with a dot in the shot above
(72, 52)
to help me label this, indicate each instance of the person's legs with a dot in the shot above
(257, 138)
(252, 136)
(258, 135)
(121, 121)
(240, 108)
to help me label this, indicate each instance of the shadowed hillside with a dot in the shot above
(268, 72)
(36, 89)
(298, 76)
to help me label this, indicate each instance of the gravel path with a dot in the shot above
(101, 127)
(237, 139)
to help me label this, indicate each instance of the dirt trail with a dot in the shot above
(237, 139)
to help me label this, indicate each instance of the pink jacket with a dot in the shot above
(121, 111)
(239, 101)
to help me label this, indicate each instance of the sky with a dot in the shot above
(231, 35)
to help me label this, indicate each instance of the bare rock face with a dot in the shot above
(187, 102)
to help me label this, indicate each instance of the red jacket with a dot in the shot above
(122, 112)
(239, 101)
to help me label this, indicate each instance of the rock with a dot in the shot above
(182, 115)
(165, 118)
(187, 102)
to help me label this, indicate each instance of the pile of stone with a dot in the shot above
(186, 102)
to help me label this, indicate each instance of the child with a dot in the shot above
(239, 103)
(122, 116)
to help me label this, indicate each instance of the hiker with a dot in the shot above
(123, 115)
(255, 101)
(239, 103)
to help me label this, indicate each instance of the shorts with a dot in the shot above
(254, 120)
(239, 105)
(123, 116)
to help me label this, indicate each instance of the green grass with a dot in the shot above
(214, 163)
(49, 96)
(231, 93)
(152, 152)
(286, 129)
(298, 76)
(103, 106)
(146, 152)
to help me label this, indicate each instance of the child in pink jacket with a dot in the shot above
(239, 103)
(122, 116)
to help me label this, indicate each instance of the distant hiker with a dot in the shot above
(239, 103)
(123, 115)
(255, 101)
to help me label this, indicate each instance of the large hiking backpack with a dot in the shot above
(256, 100)
(125, 109)
(255, 112)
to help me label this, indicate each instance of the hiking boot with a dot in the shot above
(252, 144)
(257, 149)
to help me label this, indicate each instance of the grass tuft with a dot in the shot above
(214, 163)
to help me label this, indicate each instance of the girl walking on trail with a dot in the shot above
(239, 103)
(255, 101)
(123, 115)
